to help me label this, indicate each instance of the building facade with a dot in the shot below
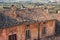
(28, 31)
(27, 24)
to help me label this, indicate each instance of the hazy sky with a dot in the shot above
(26, 0)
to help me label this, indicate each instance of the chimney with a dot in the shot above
(14, 9)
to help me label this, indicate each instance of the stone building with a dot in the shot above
(28, 30)
(26, 24)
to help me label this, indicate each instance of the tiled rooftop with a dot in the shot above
(12, 18)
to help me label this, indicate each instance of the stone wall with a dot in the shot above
(20, 30)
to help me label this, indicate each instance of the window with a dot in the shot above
(27, 34)
(1, 17)
(13, 37)
(44, 30)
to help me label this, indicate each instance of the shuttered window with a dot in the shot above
(44, 30)
(27, 34)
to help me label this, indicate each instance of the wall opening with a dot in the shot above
(57, 28)
(13, 37)
(44, 30)
(27, 34)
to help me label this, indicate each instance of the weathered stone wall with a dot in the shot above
(50, 28)
(20, 30)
